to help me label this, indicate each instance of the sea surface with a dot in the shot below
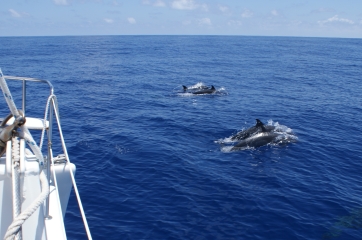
(154, 162)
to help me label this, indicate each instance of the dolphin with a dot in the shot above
(257, 140)
(206, 91)
(194, 88)
(259, 127)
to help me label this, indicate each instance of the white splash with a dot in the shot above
(284, 135)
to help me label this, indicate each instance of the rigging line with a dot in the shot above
(71, 172)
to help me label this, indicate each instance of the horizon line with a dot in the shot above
(210, 35)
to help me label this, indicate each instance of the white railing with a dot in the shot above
(51, 110)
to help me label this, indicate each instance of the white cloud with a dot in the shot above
(61, 2)
(234, 23)
(157, 3)
(204, 21)
(274, 13)
(115, 3)
(108, 20)
(184, 4)
(247, 13)
(223, 9)
(336, 19)
(14, 13)
(131, 20)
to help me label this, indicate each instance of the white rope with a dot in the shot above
(15, 226)
(55, 104)
(7, 95)
(16, 181)
(45, 120)
(24, 132)
(19, 220)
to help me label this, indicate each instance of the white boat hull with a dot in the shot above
(37, 226)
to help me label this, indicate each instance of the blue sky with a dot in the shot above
(317, 18)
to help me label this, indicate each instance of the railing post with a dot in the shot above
(50, 154)
(24, 96)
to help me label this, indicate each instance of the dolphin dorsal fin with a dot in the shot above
(185, 88)
(258, 123)
(212, 87)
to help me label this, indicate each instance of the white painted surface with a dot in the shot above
(32, 123)
(36, 227)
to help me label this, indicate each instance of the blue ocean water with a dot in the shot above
(150, 159)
